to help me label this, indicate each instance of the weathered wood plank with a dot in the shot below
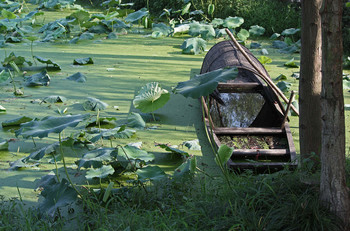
(247, 131)
(238, 87)
(260, 152)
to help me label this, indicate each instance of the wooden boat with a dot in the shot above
(253, 119)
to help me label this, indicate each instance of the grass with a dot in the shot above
(278, 201)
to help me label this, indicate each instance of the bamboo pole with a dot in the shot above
(287, 109)
(262, 75)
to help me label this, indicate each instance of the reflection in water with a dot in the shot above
(240, 110)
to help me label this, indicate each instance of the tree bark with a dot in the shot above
(333, 190)
(310, 82)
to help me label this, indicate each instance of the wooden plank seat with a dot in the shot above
(247, 131)
(250, 87)
(260, 152)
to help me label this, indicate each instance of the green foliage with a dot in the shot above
(284, 86)
(193, 46)
(205, 84)
(223, 155)
(150, 173)
(291, 63)
(102, 172)
(151, 97)
(257, 30)
(39, 79)
(83, 61)
(264, 60)
(78, 77)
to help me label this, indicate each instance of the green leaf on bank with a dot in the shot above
(173, 150)
(257, 30)
(135, 120)
(233, 22)
(205, 84)
(264, 60)
(291, 63)
(284, 86)
(187, 168)
(151, 97)
(133, 17)
(96, 158)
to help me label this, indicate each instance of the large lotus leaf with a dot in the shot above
(4, 144)
(48, 62)
(275, 36)
(187, 168)
(151, 97)
(18, 60)
(56, 196)
(16, 122)
(255, 45)
(243, 35)
(290, 31)
(135, 120)
(54, 99)
(257, 30)
(99, 29)
(80, 16)
(195, 29)
(49, 124)
(38, 79)
(217, 22)
(100, 121)
(115, 24)
(134, 153)
(150, 173)
(205, 84)
(223, 155)
(346, 84)
(96, 158)
(133, 17)
(83, 61)
(192, 144)
(289, 50)
(208, 32)
(7, 14)
(86, 36)
(284, 86)
(4, 76)
(291, 63)
(233, 22)
(193, 46)
(54, 34)
(162, 28)
(279, 44)
(112, 35)
(48, 180)
(93, 104)
(102, 172)
(78, 77)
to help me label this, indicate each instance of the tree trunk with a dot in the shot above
(333, 190)
(310, 82)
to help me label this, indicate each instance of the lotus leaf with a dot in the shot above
(39, 154)
(48, 62)
(4, 144)
(192, 144)
(102, 172)
(243, 35)
(133, 17)
(49, 125)
(281, 77)
(187, 168)
(16, 122)
(38, 79)
(223, 155)
(81, 16)
(207, 32)
(346, 84)
(264, 51)
(296, 105)
(56, 196)
(264, 60)
(135, 120)
(291, 63)
(21, 164)
(173, 150)
(86, 36)
(182, 28)
(93, 104)
(18, 60)
(151, 97)
(48, 180)
(101, 120)
(255, 45)
(257, 30)
(83, 61)
(217, 22)
(296, 75)
(133, 153)
(205, 84)
(186, 9)
(54, 99)
(193, 46)
(78, 77)
(150, 173)
(99, 29)
(290, 49)
(290, 31)
(115, 133)
(233, 22)
(112, 35)
(162, 28)
(284, 86)
(96, 158)
(275, 36)
(279, 44)
(7, 14)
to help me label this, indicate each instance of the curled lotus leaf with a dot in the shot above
(102, 172)
(54, 99)
(96, 158)
(93, 104)
(16, 121)
(193, 46)
(150, 173)
(38, 79)
(48, 62)
(233, 22)
(4, 144)
(83, 61)
(78, 77)
(133, 17)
